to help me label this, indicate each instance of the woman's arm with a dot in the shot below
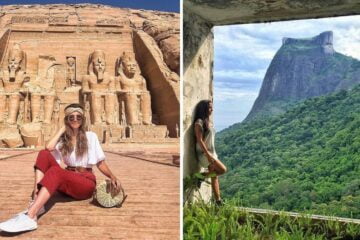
(199, 139)
(52, 143)
(103, 167)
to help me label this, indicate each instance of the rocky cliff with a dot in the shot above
(301, 69)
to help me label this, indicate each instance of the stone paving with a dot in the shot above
(151, 211)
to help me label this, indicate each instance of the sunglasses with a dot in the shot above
(73, 118)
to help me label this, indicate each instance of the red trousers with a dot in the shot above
(77, 185)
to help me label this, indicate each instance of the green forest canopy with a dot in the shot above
(305, 159)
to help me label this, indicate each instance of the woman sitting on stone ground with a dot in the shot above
(205, 148)
(80, 150)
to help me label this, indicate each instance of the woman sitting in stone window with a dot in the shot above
(205, 149)
(80, 151)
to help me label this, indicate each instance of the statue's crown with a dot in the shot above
(16, 53)
(127, 56)
(98, 54)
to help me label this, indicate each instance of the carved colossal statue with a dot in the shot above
(133, 91)
(11, 82)
(98, 84)
(43, 87)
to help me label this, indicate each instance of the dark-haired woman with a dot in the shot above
(205, 149)
(80, 151)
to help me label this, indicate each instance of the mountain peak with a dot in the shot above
(301, 69)
(323, 40)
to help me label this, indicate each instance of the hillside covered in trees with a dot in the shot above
(305, 159)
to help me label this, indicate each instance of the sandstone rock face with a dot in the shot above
(54, 55)
(154, 68)
(168, 40)
(301, 69)
(32, 134)
(11, 138)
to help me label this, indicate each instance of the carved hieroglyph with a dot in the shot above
(133, 91)
(52, 56)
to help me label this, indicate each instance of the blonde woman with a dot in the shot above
(80, 151)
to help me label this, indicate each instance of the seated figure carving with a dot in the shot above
(11, 83)
(98, 83)
(43, 88)
(133, 91)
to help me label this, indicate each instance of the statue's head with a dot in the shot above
(127, 64)
(16, 60)
(70, 61)
(97, 63)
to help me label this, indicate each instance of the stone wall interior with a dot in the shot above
(54, 55)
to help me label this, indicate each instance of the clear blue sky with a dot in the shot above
(160, 5)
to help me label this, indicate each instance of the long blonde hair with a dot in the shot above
(81, 140)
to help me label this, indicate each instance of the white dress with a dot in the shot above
(94, 155)
(209, 140)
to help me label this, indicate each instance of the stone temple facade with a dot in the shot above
(121, 64)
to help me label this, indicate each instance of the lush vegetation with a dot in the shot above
(208, 222)
(307, 159)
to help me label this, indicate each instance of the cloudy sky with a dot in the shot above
(244, 52)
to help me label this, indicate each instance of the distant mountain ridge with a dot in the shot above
(301, 69)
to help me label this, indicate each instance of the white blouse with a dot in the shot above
(94, 155)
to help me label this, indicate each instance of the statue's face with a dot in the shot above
(130, 67)
(14, 64)
(99, 66)
(71, 61)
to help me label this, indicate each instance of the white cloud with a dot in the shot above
(254, 39)
(348, 41)
(222, 94)
(230, 111)
(234, 42)
(240, 74)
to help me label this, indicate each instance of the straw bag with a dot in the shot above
(103, 195)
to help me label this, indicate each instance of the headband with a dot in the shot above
(70, 110)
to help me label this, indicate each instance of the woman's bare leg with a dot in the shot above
(218, 168)
(40, 201)
(216, 188)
